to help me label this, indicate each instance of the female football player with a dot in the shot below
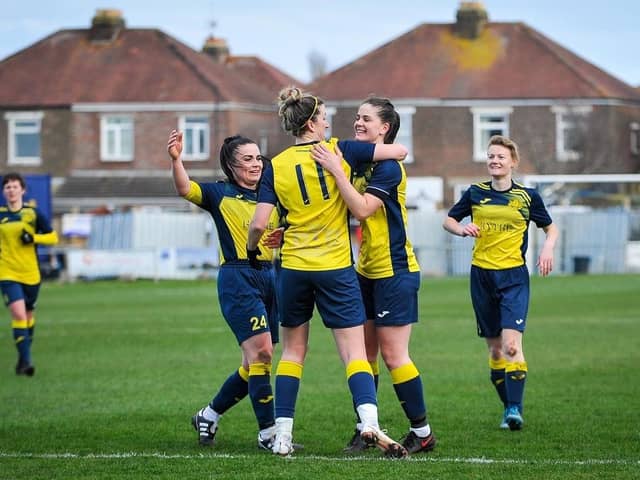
(388, 271)
(500, 211)
(22, 228)
(246, 295)
(316, 264)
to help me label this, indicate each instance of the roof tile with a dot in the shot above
(140, 65)
(507, 60)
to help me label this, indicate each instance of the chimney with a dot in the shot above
(106, 25)
(216, 48)
(470, 20)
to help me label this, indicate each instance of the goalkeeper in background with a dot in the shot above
(22, 228)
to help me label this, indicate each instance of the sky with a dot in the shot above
(284, 33)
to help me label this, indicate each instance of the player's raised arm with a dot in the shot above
(180, 176)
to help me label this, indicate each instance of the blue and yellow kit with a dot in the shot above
(232, 208)
(19, 262)
(386, 249)
(246, 295)
(503, 219)
(316, 222)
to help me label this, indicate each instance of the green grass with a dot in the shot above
(121, 367)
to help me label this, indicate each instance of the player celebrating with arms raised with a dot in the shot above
(247, 296)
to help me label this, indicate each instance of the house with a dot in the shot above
(93, 108)
(457, 84)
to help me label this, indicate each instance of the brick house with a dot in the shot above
(457, 84)
(93, 108)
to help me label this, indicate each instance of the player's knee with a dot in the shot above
(510, 348)
(496, 352)
(394, 358)
(264, 354)
(295, 353)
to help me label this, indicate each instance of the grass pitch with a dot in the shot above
(121, 367)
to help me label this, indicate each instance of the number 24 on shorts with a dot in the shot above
(258, 323)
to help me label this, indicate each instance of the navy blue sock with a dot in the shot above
(22, 341)
(497, 377)
(234, 389)
(408, 386)
(261, 393)
(288, 378)
(515, 379)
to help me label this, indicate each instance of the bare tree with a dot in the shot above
(606, 143)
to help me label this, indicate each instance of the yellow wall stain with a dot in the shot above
(477, 54)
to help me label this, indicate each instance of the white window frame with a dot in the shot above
(119, 130)
(331, 111)
(405, 133)
(634, 138)
(201, 128)
(13, 130)
(563, 154)
(482, 128)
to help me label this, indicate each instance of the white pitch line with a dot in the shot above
(469, 460)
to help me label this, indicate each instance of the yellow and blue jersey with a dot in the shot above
(386, 249)
(503, 219)
(316, 218)
(361, 176)
(19, 262)
(232, 208)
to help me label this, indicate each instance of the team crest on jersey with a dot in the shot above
(28, 216)
(368, 173)
(515, 203)
(362, 177)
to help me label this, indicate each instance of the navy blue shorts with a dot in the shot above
(336, 293)
(248, 300)
(12, 291)
(393, 300)
(500, 299)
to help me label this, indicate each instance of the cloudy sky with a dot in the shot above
(284, 33)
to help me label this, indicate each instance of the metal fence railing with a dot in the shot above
(589, 242)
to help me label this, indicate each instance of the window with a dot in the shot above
(116, 138)
(24, 138)
(571, 129)
(488, 122)
(331, 111)
(196, 137)
(634, 138)
(405, 134)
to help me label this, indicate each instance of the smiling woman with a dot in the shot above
(245, 166)
(317, 266)
(246, 295)
(387, 267)
(500, 211)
